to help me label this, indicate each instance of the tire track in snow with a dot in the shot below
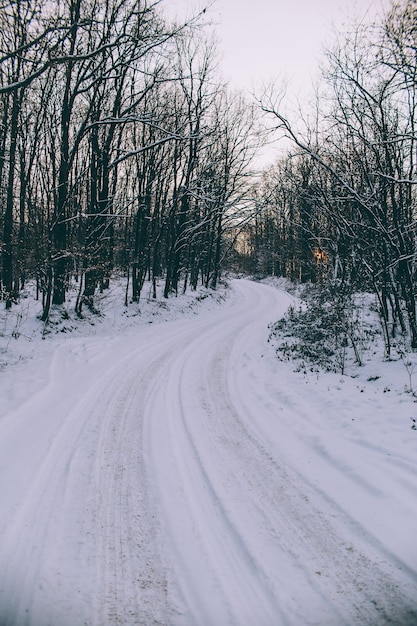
(354, 573)
(158, 498)
(31, 576)
(250, 541)
(370, 584)
(222, 578)
(209, 535)
(80, 548)
(131, 588)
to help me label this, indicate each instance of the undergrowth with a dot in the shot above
(330, 329)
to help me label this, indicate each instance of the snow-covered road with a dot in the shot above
(176, 474)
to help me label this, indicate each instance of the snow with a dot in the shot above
(159, 465)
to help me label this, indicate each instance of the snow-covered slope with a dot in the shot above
(178, 474)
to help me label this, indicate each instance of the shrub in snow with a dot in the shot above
(327, 331)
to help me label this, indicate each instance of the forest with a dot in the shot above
(122, 152)
(119, 150)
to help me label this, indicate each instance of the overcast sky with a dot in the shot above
(265, 39)
(282, 40)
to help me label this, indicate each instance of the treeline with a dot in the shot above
(119, 148)
(341, 207)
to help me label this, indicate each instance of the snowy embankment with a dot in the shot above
(177, 473)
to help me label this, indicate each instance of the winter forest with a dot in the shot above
(122, 151)
(207, 365)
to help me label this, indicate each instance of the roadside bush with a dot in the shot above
(328, 330)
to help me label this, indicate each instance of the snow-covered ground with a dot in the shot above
(177, 473)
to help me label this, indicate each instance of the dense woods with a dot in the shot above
(121, 150)
(340, 207)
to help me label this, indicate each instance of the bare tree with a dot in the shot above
(363, 151)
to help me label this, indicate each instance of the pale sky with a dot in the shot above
(265, 39)
(262, 41)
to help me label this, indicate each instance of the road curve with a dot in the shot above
(151, 481)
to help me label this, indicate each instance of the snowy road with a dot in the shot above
(175, 475)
